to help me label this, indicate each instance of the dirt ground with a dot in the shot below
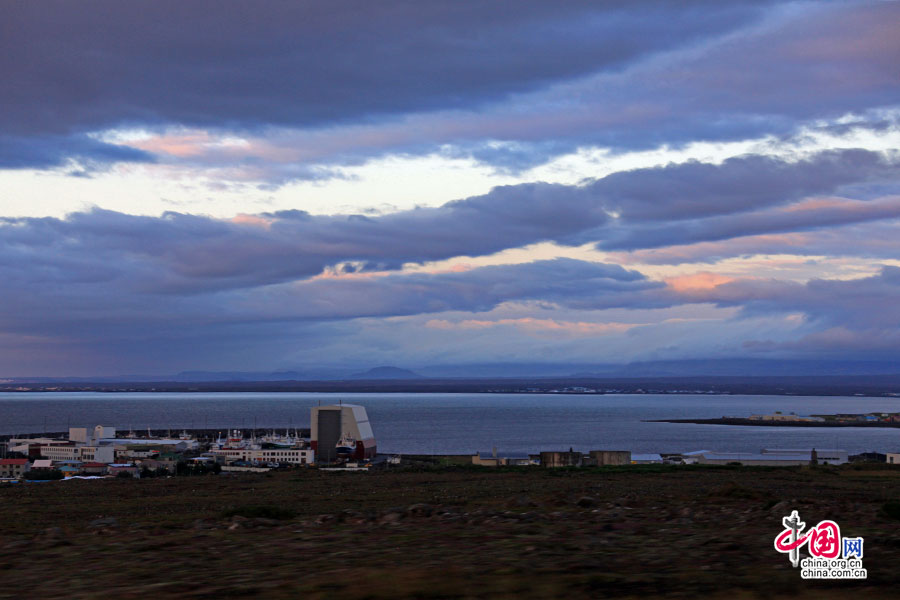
(449, 532)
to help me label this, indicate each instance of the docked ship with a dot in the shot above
(287, 440)
(234, 441)
(345, 447)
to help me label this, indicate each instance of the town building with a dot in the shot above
(892, 458)
(31, 447)
(877, 457)
(610, 457)
(562, 459)
(81, 435)
(496, 459)
(145, 448)
(13, 468)
(291, 456)
(94, 468)
(779, 416)
(72, 451)
(116, 468)
(70, 471)
(167, 463)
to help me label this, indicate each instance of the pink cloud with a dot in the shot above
(189, 144)
(538, 327)
(813, 204)
(252, 220)
(697, 282)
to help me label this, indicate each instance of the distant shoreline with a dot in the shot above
(769, 423)
(887, 386)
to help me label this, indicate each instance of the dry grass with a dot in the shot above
(529, 533)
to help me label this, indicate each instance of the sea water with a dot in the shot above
(466, 423)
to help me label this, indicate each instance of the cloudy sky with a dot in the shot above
(301, 185)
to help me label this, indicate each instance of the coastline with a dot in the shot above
(838, 385)
(761, 423)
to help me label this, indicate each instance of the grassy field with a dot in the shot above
(450, 532)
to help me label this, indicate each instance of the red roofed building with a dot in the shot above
(94, 468)
(13, 468)
(115, 469)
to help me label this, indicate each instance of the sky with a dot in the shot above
(306, 185)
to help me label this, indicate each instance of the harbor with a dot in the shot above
(446, 424)
(341, 437)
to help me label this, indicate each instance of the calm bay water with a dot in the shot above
(462, 423)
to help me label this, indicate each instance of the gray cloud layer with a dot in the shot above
(860, 317)
(344, 82)
(180, 253)
(70, 69)
(363, 79)
(104, 277)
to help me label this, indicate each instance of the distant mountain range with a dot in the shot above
(386, 373)
(668, 368)
(745, 367)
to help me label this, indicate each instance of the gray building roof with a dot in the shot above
(506, 455)
(748, 456)
(806, 451)
(635, 457)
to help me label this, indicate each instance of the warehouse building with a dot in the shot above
(562, 459)
(823, 456)
(502, 459)
(610, 457)
(776, 457)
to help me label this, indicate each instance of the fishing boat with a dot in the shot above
(345, 447)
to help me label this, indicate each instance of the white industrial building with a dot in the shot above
(80, 435)
(103, 454)
(292, 456)
(824, 456)
(27, 445)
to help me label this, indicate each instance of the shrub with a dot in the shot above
(733, 490)
(260, 511)
(891, 509)
(44, 475)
